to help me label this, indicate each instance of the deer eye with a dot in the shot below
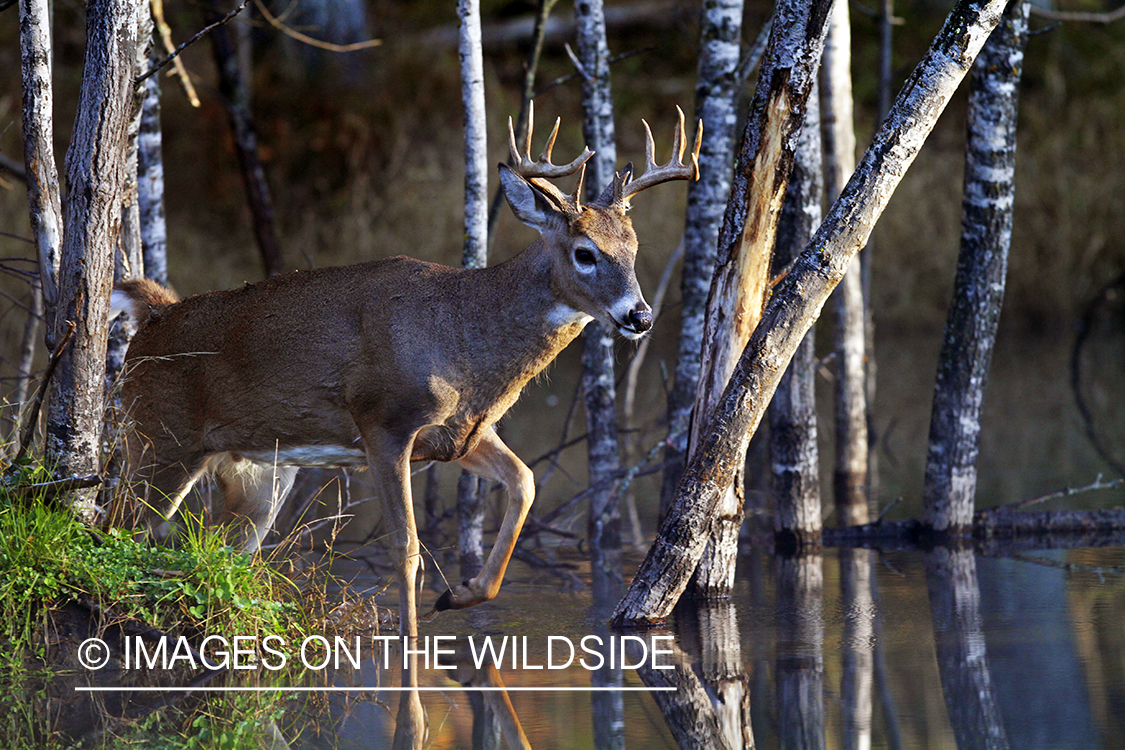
(584, 256)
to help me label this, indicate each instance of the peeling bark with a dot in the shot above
(716, 89)
(796, 302)
(794, 463)
(745, 244)
(850, 474)
(978, 289)
(96, 179)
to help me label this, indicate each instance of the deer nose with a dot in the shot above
(640, 319)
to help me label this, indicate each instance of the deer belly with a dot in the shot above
(318, 456)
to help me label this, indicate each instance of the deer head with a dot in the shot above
(593, 247)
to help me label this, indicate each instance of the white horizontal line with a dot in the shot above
(375, 689)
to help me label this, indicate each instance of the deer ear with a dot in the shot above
(529, 203)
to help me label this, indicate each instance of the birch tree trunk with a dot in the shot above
(236, 99)
(604, 453)
(603, 449)
(795, 304)
(850, 475)
(738, 289)
(717, 84)
(978, 289)
(96, 179)
(794, 461)
(44, 196)
(150, 185)
(470, 490)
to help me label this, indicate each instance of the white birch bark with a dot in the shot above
(44, 196)
(794, 306)
(470, 491)
(978, 289)
(150, 186)
(850, 475)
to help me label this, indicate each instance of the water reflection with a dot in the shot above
(978, 652)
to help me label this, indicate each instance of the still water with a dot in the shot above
(849, 649)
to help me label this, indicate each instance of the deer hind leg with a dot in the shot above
(495, 462)
(252, 495)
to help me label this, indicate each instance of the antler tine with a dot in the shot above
(522, 162)
(675, 169)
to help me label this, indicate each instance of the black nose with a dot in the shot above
(640, 319)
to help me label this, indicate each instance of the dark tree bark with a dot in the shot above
(850, 474)
(795, 304)
(44, 197)
(741, 280)
(236, 100)
(470, 490)
(978, 289)
(800, 651)
(716, 88)
(966, 681)
(794, 463)
(96, 179)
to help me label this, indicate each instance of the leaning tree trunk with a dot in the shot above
(978, 289)
(793, 451)
(470, 490)
(850, 475)
(96, 179)
(43, 192)
(236, 100)
(738, 290)
(717, 85)
(795, 304)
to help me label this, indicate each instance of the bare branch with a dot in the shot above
(292, 33)
(202, 33)
(1065, 15)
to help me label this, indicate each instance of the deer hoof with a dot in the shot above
(457, 598)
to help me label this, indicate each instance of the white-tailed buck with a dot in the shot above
(379, 364)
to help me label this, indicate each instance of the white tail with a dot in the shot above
(378, 364)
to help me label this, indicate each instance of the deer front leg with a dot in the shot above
(389, 459)
(493, 461)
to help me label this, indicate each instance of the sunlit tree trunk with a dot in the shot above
(95, 167)
(850, 475)
(795, 469)
(44, 196)
(978, 289)
(470, 490)
(795, 304)
(745, 244)
(717, 84)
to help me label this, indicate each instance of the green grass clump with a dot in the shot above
(202, 585)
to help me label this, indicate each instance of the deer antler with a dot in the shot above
(540, 170)
(675, 169)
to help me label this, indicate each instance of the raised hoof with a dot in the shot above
(444, 602)
(458, 598)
